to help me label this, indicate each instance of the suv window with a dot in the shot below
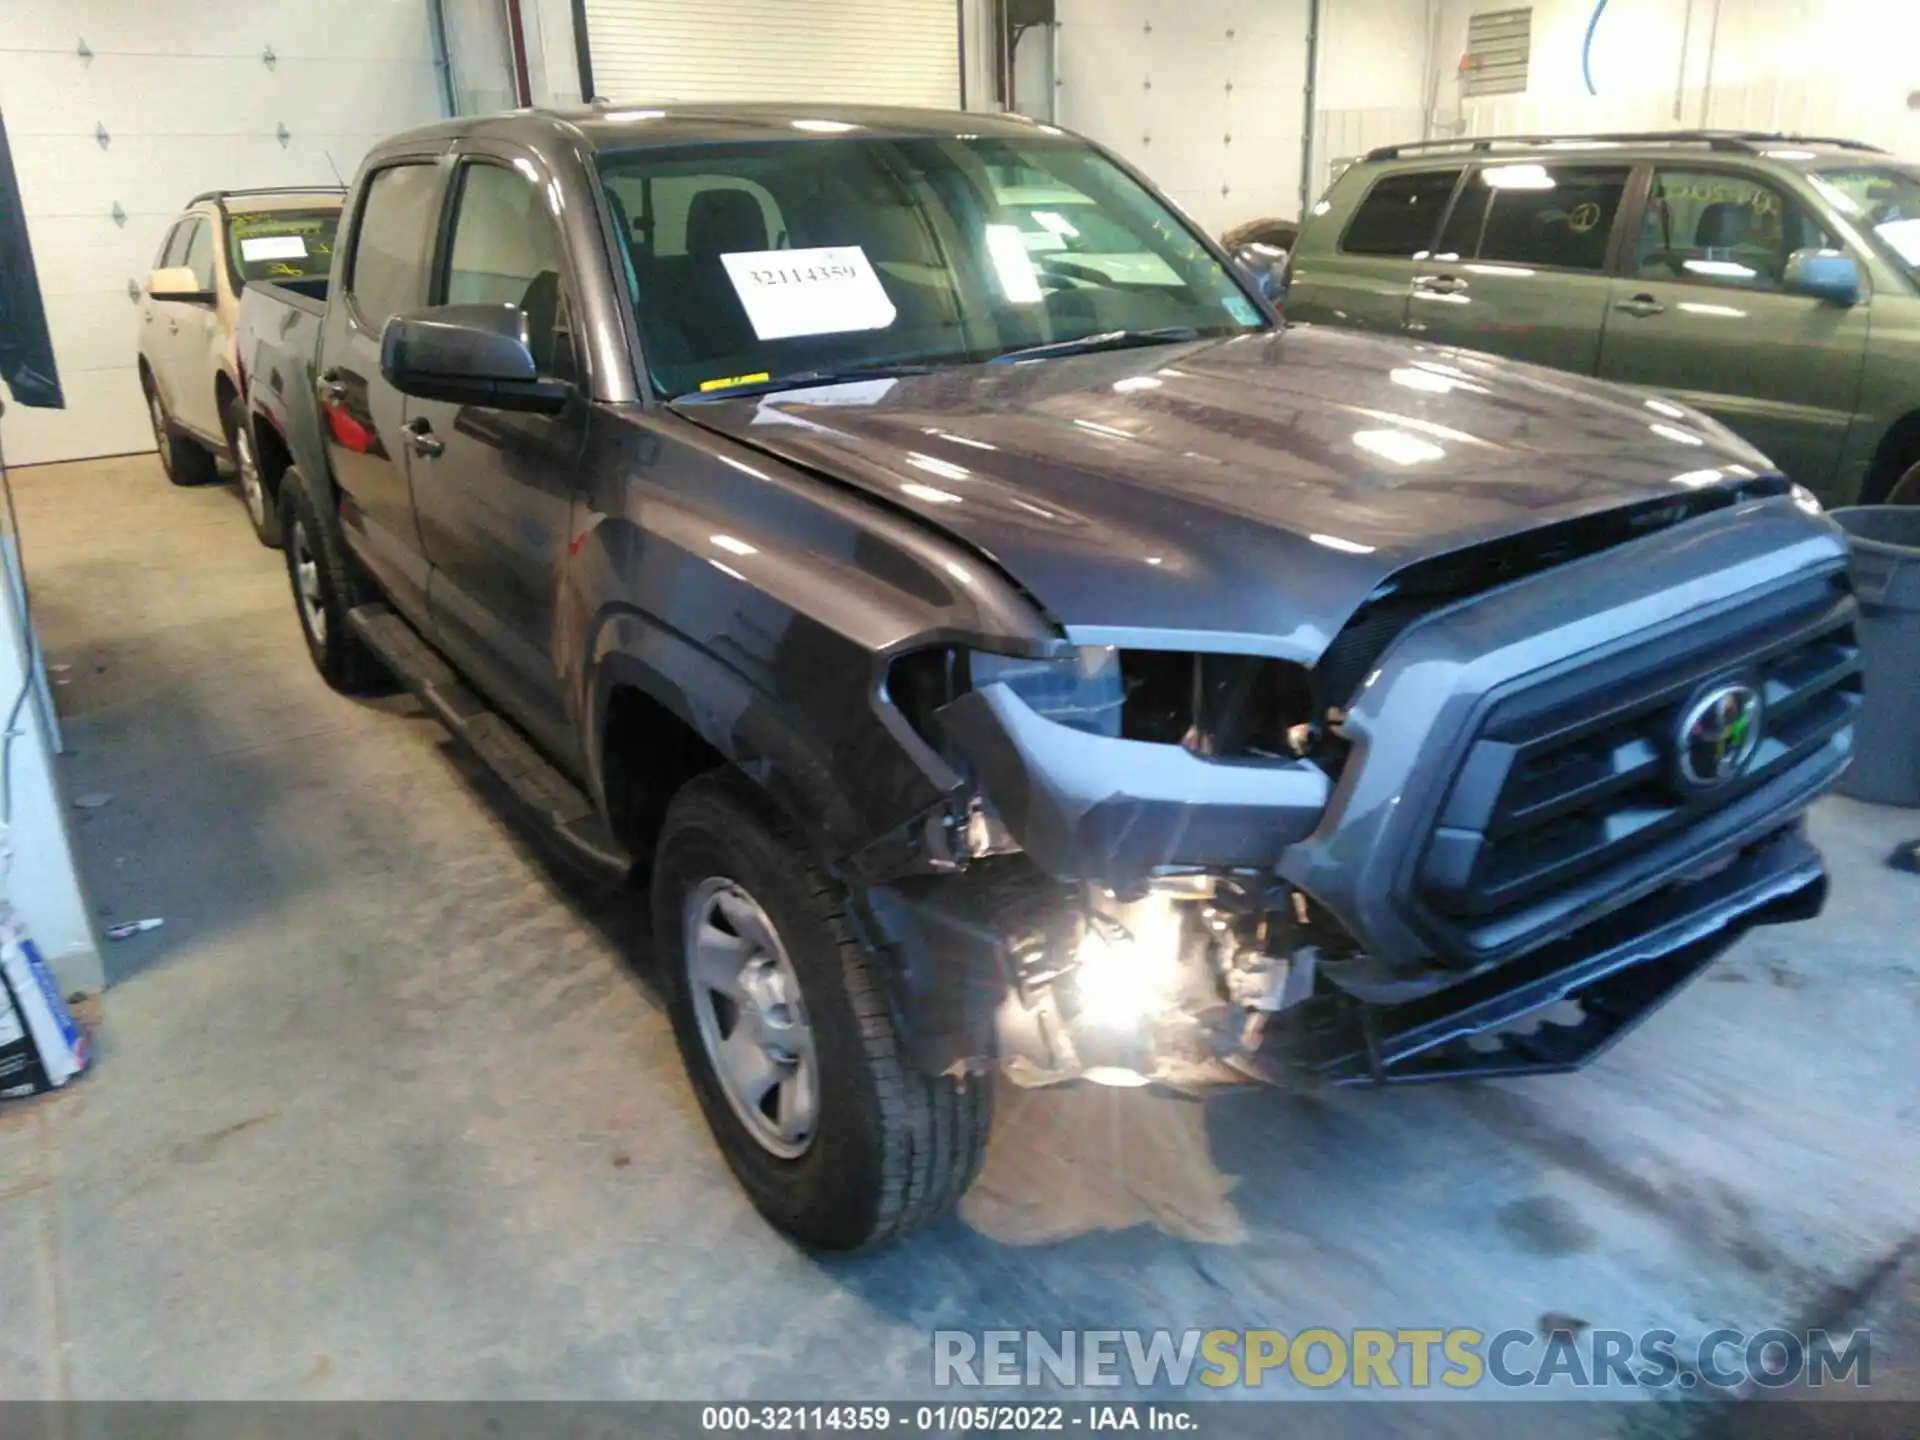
(199, 253)
(1400, 214)
(1717, 227)
(1529, 214)
(506, 251)
(388, 262)
(173, 250)
(282, 244)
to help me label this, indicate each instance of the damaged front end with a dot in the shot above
(1468, 839)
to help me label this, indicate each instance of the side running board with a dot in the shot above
(552, 800)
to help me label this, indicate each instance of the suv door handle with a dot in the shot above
(1440, 284)
(421, 437)
(173, 326)
(1640, 305)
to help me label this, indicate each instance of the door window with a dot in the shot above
(1400, 214)
(1716, 227)
(506, 251)
(388, 263)
(1536, 215)
(173, 251)
(199, 254)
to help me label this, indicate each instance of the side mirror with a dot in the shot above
(1825, 275)
(176, 282)
(470, 355)
(1265, 266)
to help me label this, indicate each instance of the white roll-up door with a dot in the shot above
(874, 52)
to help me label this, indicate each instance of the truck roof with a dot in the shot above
(640, 126)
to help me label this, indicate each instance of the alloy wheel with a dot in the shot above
(752, 1019)
(251, 489)
(306, 576)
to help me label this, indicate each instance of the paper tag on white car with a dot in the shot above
(827, 291)
(273, 247)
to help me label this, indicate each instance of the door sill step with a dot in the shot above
(554, 802)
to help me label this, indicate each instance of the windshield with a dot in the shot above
(1884, 199)
(282, 244)
(752, 262)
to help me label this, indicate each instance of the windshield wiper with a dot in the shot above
(802, 379)
(1106, 340)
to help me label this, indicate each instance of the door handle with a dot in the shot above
(173, 327)
(1440, 284)
(421, 437)
(1640, 305)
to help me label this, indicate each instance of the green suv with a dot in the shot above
(1772, 281)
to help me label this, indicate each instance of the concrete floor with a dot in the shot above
(388, 1108)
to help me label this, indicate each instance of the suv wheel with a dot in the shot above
(261, 510)
(1906, 490)
(185, 462)
(788, 1039)
(325, 588)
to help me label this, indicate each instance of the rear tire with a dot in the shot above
(325, 588)
(886, 1149)
(186, 461)
(262, 512)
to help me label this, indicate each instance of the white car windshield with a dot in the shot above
(806, 259)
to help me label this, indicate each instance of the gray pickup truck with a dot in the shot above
(1005, 647)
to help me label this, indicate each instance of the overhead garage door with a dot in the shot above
(165, 101)
(901, 52)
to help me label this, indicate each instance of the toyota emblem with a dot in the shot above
(1719, 733)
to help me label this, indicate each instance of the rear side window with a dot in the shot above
(1550, 215)
(1400, 214)
(389, 262)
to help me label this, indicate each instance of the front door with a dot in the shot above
(494, 489)
(1521, 267)
(1700, 314)
(197, 361)
(362, 415)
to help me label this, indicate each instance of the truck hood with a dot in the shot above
(1262, 486)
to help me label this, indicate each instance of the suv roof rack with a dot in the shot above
(1744, 141)
(205, 195)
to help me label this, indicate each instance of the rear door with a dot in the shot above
(494, 489)
(1700, 313)
(1521, 268)
(385, 275)
(1363, 278)
(160, 320)
(197, 363)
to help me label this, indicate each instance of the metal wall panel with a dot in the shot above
(903, 52)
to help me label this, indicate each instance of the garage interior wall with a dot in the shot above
(1848, 68)
(904, 52)
(1207, 96)
(170, 100)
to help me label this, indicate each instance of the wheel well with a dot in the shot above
(146, 376)
(270, 453)
(1899, 450)
(225, 392)
(646, 754)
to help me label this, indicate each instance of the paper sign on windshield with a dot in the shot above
(273, 247)
(827, 291)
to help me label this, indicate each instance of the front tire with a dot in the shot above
(185, 461)
(261, 509)
(787, 1037)
(325, 588)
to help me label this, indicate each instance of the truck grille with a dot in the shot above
(1575, 785)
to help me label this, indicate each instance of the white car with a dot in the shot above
(189, 367)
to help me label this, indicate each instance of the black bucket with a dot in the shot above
(1885, 565)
